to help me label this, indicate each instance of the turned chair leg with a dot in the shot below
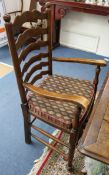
(27, 127)
(72, 143)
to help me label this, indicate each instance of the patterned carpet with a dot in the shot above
(5, 69)
(51, 163)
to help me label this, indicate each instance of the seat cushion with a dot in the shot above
(59, 112)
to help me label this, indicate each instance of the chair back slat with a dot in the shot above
(32, 56)
(31, 47)
(35, 68)
(33, 60)
(27, 16)
(39, 76)
(28, 34)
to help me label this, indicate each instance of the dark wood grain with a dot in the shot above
(82, 61)
(34, 69)
(95, 141)
(27, 16)
(31, 47)
(39, 76)
(29, 33)
(33, 60)
(80, 6)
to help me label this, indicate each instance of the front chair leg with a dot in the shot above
(27, 127)
(73, 139)
(72, 143)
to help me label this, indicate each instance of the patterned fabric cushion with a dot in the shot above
(59, 112)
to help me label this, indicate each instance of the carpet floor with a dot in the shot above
(16, 157)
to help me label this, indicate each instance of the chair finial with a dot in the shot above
(7, 18)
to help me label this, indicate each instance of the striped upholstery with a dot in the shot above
(59, 112)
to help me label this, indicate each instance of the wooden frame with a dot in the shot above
(96, 144)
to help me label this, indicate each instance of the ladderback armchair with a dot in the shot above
(62, 102)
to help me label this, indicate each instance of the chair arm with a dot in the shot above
(82, 60)
(80, 100)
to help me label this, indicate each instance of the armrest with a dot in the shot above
(80, 100)
(82, 61)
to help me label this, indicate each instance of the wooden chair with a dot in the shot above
(62, 102)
